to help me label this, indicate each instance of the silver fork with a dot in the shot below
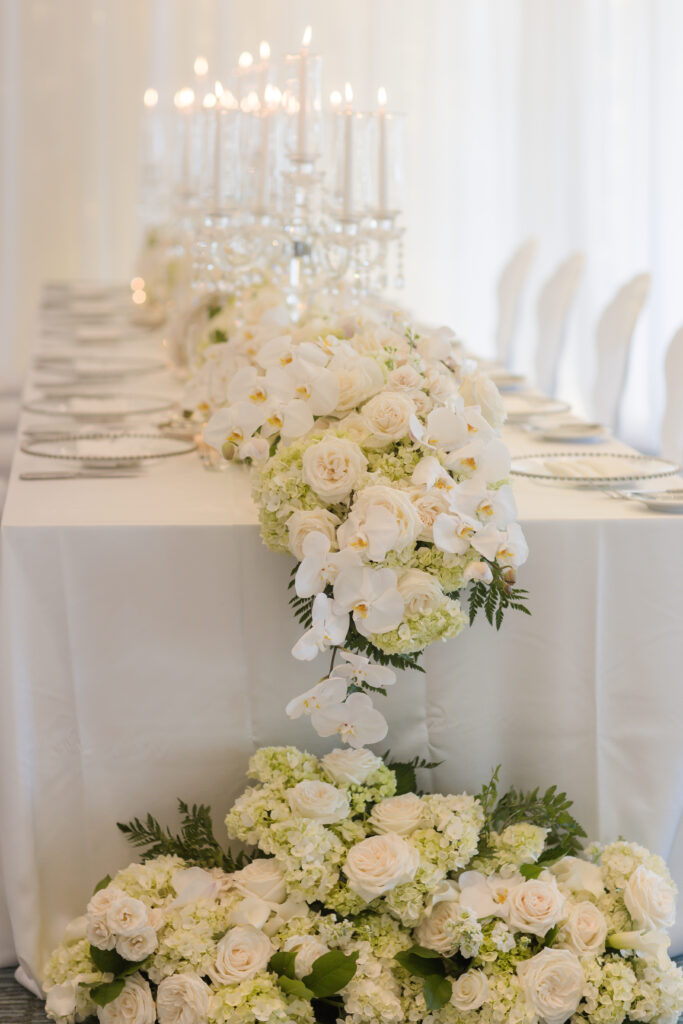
(78, 474)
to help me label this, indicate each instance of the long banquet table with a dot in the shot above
(145, 655)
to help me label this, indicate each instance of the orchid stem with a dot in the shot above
(334, 655)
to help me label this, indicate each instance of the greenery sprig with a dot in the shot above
(497, 596)
(406, 772)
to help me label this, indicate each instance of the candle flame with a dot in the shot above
(209, 101)
(307, 36)
(137, 284)
(201, 67)
(264, 50)
(250, 103)
(184, 98)
(382, 96)
(218, 89)
(227, 100)
(245, 59)
(272, 95)
(151, 98)
(348, 93)
(335, 98)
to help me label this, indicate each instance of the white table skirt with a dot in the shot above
(145, 644)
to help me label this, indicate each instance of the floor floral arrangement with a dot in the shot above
(362, 900)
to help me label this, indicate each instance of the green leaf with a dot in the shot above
(426, 954)
(419, 966)
(108, 961)
(103, 994)
(550, 936)
(330, 973)
(531, 870)
(218, 336)
(294, 987)
(102, 884)
(283, 964)
(437, 991)
(214, 311)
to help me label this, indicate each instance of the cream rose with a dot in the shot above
(127, 916)
(308, 949)
(388, 417)
(350, 767)
(319, 801)
(240, 954)
(378, 864)
(405, 378)
(358, 377)
(478, 389)
(138, 946)
(470, 991)
(399, 506)
(650, 899)
(60, 1000)
(429, 506)
(399, 814)
(535, 906)
(183, 999)
(552, 982)
(303, 522)
(333, 468)
(101, 901)
(585, 929)
(134, 1005)
(577, 875)
(263, 878)
(99, 933)
(436, 931)
(76, 930)
(421, 592)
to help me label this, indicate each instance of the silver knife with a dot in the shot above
(78, 474)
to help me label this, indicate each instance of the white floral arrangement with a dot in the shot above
(379, 466)
(364, 901)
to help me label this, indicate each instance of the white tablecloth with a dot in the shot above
(145, 645)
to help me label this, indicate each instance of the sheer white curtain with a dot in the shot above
(560, 118)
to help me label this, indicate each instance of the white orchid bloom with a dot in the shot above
(234, 424)
(649, 944)
(356, 721)
(437, 345)
(255, 448)
(320, 565)
(430, 474)
(308, 382)
(478, 428)
(325, 693)
(370, 535)
(364, 671)
(479, 572)
(329, 629)
(278, 351)
(372, 596)
(481, 460)
(497, 507)
(454, 532)
(486, 896)
(444, 430)
(248, 385)
(252, 910)
(507, 547)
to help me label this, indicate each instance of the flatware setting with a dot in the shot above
(79, 474)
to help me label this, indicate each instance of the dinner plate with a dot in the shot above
(99, 367)
(520, 408)
(505, 381)
(93, 405)
(574, 433)
(596, 469)
(670, 500)
(108, 448)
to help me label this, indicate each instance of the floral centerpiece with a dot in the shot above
(362, 900)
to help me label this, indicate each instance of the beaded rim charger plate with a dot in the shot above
(596, 469)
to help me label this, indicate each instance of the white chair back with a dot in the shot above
(510, 287)
(552, 313)
(672, 423)
(613, 337)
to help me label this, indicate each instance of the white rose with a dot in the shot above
(353, 425)
(183, 999)
(405, 378)
(578, 875)
(397, 503)
(535, 906)
(586, 929)
(134, 1005)
(192, 884)
(478, 389)
(60, 1000)
(308, 949)
(470, 991)
(319, 801)
(76, 930)
(99, 933)
(127, 916)
(241, 953)
(650, 899)
(378, 864)
(552, 982)
(263, 878)
(436, 931)
(303, 522)
(399, 814)
(429, 506)
(101, 901)
(350, 767)
(388, 417)
(138, 946)
(333, 468)
(421, 592)
(358, 377)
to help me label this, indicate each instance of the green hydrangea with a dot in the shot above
(395, 464)
(284, 766)
(608, 992)
(417, 632)
(519, 844)
(261, 999)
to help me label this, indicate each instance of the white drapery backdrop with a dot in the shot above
(558, 118)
